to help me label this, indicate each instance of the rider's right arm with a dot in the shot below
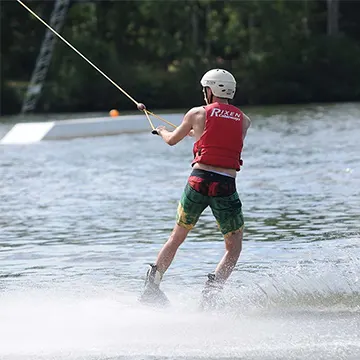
(246, 125)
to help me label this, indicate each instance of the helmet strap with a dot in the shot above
(208, 101)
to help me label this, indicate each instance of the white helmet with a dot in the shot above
(221, 83)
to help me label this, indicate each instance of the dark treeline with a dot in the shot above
(280, 52)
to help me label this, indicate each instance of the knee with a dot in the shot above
(178, 236)
(233, 244)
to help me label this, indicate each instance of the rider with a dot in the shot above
(219, 130)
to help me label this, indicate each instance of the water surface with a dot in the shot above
(80, 219)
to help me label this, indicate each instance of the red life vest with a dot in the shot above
(222, 140)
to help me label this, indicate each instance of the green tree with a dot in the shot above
(280, 52)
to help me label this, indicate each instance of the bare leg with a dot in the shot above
(168, 251)
(152, 293)
(215, 282)
(233, 245)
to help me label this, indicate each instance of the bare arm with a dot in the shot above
(173, 137)
(246, 125)
(191, 133)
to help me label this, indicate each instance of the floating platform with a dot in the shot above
(32, 132)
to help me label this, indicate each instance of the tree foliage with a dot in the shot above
(279, 51)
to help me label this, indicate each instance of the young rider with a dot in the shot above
(219, 130)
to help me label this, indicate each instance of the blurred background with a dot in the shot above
(280, 52)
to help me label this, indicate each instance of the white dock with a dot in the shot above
(27, 133)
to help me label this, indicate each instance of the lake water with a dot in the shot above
(80, 219)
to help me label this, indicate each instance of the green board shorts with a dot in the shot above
(207, 188)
